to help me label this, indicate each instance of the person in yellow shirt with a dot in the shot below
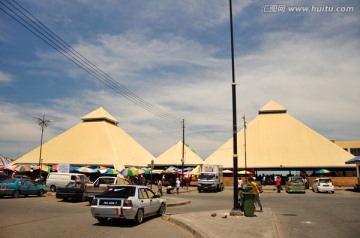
(256, 190)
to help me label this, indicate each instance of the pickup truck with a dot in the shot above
(100, 185)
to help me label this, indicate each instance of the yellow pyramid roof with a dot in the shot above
(173, 156)
(95, 141)
(274, 139)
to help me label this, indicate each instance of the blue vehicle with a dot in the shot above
(15, 187)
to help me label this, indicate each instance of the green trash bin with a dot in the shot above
(247, 204)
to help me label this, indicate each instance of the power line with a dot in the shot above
(35, 26)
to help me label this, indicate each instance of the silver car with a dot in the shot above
(323, 185)
(131, 202)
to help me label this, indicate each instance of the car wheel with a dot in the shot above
(102, 220)
(139, 216)
(162, 209)
(16, 194)
(41, 193)
(53, 188)
(332, 191)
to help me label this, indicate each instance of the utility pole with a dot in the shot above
(43, 123)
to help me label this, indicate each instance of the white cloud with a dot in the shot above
(5, 78)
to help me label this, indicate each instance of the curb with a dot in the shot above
(177, 204)
(182, 225)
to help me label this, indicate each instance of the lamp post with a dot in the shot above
(43, 123)
(183, 152)
(236, 206)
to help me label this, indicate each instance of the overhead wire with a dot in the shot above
(35, 26)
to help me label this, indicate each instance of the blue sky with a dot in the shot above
(176, 56)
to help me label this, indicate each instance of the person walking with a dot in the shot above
(160, 187)
(278, 184)
(240, 184)
(177, 185)
(256, 190)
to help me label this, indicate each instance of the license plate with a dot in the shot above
(325, 185)
(110, 202)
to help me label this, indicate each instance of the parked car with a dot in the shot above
(323, 185)
(131, 202)
(17, 186)
(74, 191)
(3, 177)
(295, 184)
(100, 185)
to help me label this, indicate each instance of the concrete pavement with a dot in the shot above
(220, 223)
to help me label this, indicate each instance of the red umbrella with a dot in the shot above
(54, 168)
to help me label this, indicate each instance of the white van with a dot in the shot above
(55, 180)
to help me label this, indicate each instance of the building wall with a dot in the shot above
(351, 146)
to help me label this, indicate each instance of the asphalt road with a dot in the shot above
(296, 215)
(44, 217)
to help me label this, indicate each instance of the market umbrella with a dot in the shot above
(157, 171)
(87, 170)
(111, 171)
(146, 170)
(54, 168)
(44, 168)
(22, 168)
(10, 167)
(131, 171)
(323, 171)
(227, 171)
(244, 172)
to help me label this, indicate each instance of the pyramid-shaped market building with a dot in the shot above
(276, 140)
(96, 141)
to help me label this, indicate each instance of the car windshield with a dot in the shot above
(296, 180)
(325, 180)
(74, 185)
(207, 176)
(106, 180)
(9, 180)
(122, 192)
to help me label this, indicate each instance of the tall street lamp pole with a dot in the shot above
(183, 152)
(236, 206)
(43, 123)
